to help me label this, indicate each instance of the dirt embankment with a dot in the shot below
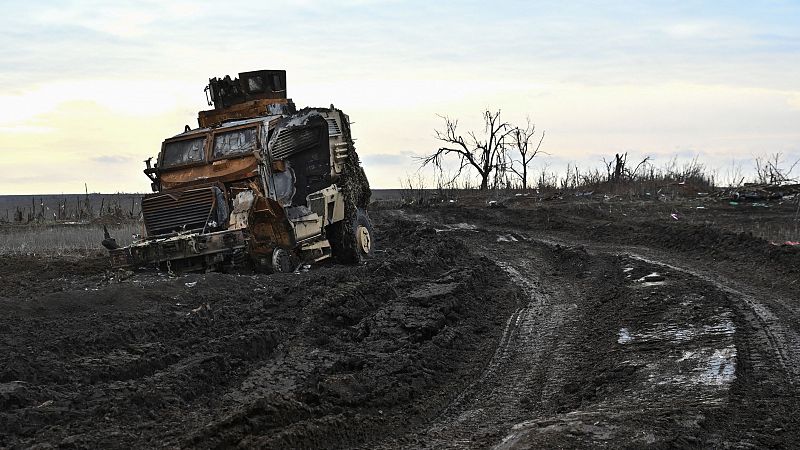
(337, 356)
(708, 236)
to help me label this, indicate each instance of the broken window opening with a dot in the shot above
(184, 152)
(255, 84)
(232, 143)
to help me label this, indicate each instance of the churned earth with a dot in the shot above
(534, 326)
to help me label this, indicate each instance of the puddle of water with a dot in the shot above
(652, 279)
(652, 283)
(662, 332)
(624, 336)
(457, 227)
(721, 367)
(711, 365)
(707, 366)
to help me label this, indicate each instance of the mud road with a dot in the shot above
(471, 328)
(623, 343)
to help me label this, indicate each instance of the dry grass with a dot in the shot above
(63, 239)
(771, 231)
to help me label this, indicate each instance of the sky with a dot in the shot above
(90, 89)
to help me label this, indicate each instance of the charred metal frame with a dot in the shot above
(271, 220)
(212, 248)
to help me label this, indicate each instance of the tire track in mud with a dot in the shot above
(522, 389)
(768, 352)
(783, 341)
(516, 375)
(680, 364)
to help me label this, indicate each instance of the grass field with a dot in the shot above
(62, 239)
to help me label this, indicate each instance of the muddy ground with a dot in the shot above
(541, 325)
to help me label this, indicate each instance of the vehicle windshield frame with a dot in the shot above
(213, 138)
(201, 161)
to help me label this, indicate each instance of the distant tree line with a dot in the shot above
(501, 156)
(79, 208)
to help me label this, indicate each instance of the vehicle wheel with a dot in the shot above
(281, 261)
(353, 239)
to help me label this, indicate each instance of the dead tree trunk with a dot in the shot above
(522, 140)
(473, 152)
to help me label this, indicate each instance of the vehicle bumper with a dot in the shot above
(199, 249)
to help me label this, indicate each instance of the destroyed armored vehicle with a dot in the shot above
(257, 184)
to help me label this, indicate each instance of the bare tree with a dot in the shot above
(774, 170)
(522, 140)
(734, 176)
(615, 175)
(484, 154)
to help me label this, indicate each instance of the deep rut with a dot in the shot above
(608, 350)
(516, 377)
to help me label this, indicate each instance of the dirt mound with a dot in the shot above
(333, 357)
(702, 239)
(595, 223)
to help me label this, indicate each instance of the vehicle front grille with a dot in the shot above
(294, 140)
(167, 212)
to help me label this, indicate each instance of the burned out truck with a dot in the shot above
(257, 184)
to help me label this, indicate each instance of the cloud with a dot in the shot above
(82, 79)
(707, 29)
(120, 19)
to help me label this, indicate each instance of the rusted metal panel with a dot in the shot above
(254, 108)
(183, 209)
(203, 248)
(259, 84)
(225, 171)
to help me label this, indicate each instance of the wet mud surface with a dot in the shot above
(546, 327)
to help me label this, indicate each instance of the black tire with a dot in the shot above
(353, 239)
(281, 261)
